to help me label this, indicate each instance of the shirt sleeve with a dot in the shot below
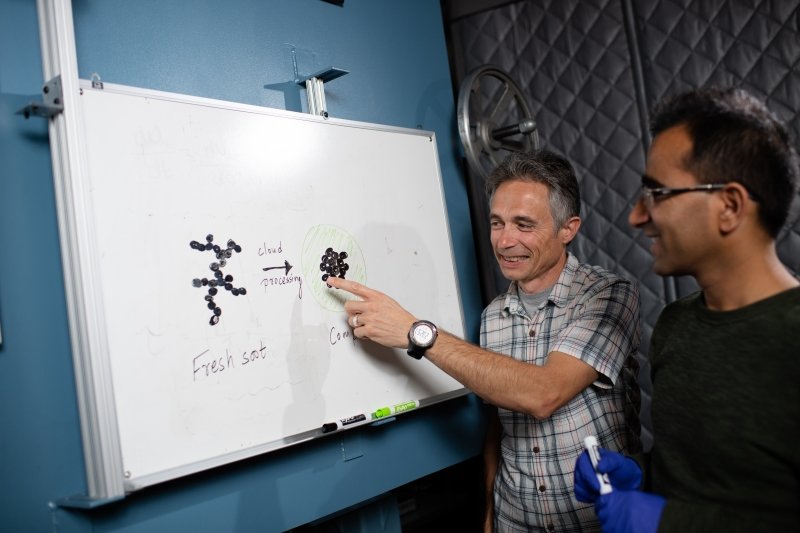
(604, 329)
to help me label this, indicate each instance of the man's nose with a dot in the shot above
(505, 238)
(639, 215)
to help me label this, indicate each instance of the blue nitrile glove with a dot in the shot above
(629, 511)
(623, 474)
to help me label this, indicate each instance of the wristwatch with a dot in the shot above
(421, 336)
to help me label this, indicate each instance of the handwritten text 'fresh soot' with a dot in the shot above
(205, 365)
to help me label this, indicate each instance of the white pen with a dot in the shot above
(594, 454)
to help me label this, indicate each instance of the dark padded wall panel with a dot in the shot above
(593, 69)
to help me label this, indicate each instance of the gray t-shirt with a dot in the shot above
(532, 301)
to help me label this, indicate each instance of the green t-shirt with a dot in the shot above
(726, 413)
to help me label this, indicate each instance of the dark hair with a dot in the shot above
(736, 138)
(545, 167)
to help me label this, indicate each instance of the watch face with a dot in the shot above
(422, 335)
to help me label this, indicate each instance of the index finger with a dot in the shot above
(348, 285)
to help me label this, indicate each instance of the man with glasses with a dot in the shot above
(720, 178)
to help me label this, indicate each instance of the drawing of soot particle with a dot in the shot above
(331, 251)
(218, 280)
(333, 264)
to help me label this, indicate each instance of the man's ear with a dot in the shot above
(734, 199)
(569, 230)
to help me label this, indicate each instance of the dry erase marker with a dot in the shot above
(594, 454)
(350, 421)
(382, 412)
(395, 410)
(407, 406)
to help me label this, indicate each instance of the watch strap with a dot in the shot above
(415, 351)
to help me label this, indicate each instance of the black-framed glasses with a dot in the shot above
(650, 195)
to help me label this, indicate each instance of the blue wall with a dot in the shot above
(243, 51)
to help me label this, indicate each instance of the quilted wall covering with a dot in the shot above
(592, 69)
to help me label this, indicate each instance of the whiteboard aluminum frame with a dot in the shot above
(95, 395)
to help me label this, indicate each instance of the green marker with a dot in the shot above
(380, 413)
(407, 406)
(397, 409)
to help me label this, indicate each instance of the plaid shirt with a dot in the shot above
(590, 314)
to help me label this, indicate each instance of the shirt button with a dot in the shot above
(541, 488)
(532, 333)
(535, 449)
(551, 527)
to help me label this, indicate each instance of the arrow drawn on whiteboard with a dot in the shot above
(286, 265)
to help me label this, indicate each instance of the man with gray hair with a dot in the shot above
(553, 348)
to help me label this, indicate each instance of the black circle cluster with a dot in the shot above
(219, 279)
(332, 264)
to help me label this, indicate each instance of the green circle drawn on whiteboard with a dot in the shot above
(318, 239)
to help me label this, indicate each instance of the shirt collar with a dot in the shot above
(559, 294)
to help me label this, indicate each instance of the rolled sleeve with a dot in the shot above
(604, 330)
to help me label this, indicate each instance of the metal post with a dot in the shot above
(103, 458)
(315, 92)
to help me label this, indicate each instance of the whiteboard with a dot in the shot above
(203, 379)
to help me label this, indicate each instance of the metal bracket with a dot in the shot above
(97, 83)
(315, 91)
(81, 501)
(52, 104)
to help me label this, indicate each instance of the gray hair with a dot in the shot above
(542, 166)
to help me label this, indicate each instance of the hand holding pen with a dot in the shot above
(622, 472)
(611, 481)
